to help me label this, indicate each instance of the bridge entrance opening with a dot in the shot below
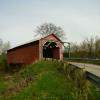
(50, 50)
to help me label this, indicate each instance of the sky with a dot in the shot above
(19, 18)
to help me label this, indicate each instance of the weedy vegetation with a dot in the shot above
(46, 80)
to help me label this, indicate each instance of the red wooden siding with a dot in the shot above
(25, 54)
(56, 53)
(30, 52)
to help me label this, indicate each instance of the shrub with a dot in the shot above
(3, 62)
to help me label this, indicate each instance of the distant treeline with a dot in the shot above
(88, 48)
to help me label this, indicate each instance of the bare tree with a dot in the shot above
(83, 49)
(74, 49)
(90, 46)
(49, 28)
(1, 44)
(97, 47)
(4, 46)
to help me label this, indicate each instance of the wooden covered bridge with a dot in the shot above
(49, 46)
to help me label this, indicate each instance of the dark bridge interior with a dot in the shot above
(49, 49)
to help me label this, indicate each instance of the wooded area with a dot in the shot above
(88, 48)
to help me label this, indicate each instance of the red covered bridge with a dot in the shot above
(47, 47)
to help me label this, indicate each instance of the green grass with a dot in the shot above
(49, 84)
(44, 80)
(2, 86)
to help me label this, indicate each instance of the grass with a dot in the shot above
(44, 80)
(48, 84)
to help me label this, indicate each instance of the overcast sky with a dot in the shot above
(19, 18)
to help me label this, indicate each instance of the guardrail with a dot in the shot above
(92, 78)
